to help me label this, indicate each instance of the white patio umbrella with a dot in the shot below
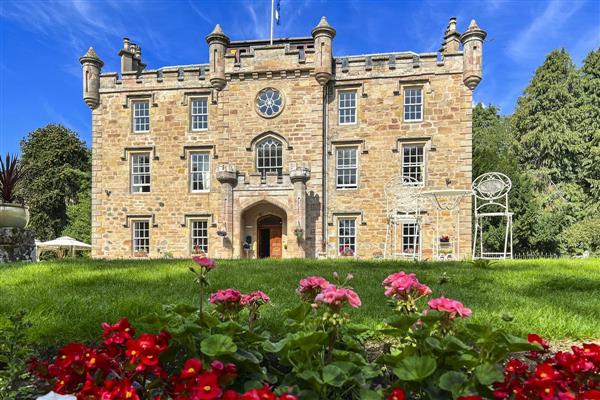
(63, 243)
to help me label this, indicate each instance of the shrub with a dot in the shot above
(582, 236)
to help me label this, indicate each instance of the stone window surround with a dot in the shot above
(422, 104)
(358, 214)
(191, 234)
(189, 166)
(138, 97)
(127, 151)
(134, 124)
(133, 237)
(416, 235)
(270, 156)
(338, 237)
(191, 117)
(131, 191)
(425, 160)
(339, 106)
(357, 167)
(138, 217)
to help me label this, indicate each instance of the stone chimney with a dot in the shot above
(451, 42)
(217, 44)
(472, 41)
(131, 57)
(91, 66)
(323, 35)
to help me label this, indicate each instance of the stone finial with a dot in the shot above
(323, 28)
(217, 34)
(91, 57)
(473, 31)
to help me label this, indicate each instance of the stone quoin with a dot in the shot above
(278, 150)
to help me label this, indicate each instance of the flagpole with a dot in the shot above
(272, 8)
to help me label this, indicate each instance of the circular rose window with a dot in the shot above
(269, 102)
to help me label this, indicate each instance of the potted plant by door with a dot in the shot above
(12, 215)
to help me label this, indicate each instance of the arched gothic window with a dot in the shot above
(269, 156)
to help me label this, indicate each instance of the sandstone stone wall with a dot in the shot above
(234, 127)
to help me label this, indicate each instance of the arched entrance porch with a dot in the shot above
(263, 231)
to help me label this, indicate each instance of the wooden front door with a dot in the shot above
(275, 242)
(269, 237)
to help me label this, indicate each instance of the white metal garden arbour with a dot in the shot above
(491, 200)
(403, 206)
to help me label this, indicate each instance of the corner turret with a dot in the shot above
(472, 41)
(217, 43)
(323, 35)
(91, 68)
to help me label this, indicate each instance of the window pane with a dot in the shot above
(410, 238)
(199, 171)
(269, 156)
(141, 116)
(413, 104)
(140, 173)
(347, 107)
(413, 163)
(199, 232)
(199, 114)
(347, 236)
(346, 167)
(141, 236)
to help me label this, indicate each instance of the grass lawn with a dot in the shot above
(67, 300)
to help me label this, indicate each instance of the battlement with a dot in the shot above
(297, 57)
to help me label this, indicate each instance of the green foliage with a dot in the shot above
(582, 236)
(11, 174)
(545, 121)
(589, 122)
(79, 214)
(15, 351)
(57, 165)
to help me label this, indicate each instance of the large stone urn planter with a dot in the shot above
(13, 215)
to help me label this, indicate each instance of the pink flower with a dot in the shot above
(256, 297)
(223, 296)
(450, 306)
(204, 262)
(336, 297)
(311, 286)
(402, 286)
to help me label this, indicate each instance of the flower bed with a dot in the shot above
(221, 351)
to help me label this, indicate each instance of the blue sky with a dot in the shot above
(41, 41)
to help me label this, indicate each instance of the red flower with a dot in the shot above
(590, 395)
(145, 350)
(263, 393)
(396, 394)
(287, 396)
(191, 368)
(118, 333)
(533, 338)
(470, 397)
(207, 387)
(546, 372)
(230, 395)
(515, 366)
(114, 390)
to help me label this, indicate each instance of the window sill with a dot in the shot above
(199, 191)
(347, 189)
(140, 132)
(348, 124)
(411, 121)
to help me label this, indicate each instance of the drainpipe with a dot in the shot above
(325, 169)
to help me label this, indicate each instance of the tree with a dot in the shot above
(56, 162)
(545, 120)
(79, 214)
(589, 123)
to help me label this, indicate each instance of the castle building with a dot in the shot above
(279, 150)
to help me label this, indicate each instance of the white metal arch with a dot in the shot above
(403, 206)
